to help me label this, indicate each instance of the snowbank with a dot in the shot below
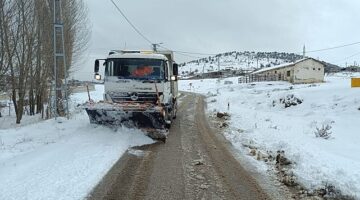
(61, 159)
(256, 109)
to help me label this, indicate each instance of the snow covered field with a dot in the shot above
(60, 159)
(258, 118)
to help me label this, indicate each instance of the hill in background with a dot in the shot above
(246, 60)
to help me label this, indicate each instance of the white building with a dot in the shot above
(307, 70)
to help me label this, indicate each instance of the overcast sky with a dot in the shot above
(215, 26)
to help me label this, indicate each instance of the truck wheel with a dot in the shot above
(174, 112)
(168, 120)
(168, 126)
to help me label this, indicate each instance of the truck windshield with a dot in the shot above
(135, 68)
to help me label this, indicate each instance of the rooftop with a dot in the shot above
(280, 66)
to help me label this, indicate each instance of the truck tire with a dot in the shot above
(167, 126)
(174, 111)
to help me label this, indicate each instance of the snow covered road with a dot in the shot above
(194, 163)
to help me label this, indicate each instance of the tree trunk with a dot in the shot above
(31, 101)
(20, 109)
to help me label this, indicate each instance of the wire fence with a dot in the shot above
(260, 78)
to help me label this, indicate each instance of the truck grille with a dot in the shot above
(134, 97)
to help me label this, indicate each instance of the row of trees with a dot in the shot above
(288, 57)
(26, 49)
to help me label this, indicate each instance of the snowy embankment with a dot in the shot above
(258, 118)
(60, 159)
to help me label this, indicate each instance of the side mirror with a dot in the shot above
(175, 69)
(98, 77)
(96, 68)
(173, 78)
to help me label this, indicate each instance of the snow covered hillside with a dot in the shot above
(60, 159)
(278, 116)
(237, 60)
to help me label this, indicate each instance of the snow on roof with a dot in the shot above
(280, 66)
(138, 55)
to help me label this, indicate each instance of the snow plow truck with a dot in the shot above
(140, 91)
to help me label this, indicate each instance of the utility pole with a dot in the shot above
(59, 58)
(203, 70)
(155, 45)
(304, 51)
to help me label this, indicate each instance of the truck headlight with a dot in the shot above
(98, 77)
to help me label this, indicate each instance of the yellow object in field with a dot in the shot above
(355, 82)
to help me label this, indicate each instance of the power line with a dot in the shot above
(317, 50)
(180, 53)
(186, 53)
(197, 57)
(131, 24)
(358, 53)
(331, 48)
(194, 53)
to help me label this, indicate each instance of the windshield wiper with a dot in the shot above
(143, 79)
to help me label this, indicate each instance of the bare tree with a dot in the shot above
(26, 49)
(2, 49)
(3, 67)
(42, 70)
(5, 15)
(9, 40)
(76, 26)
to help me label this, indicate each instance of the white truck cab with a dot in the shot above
(143, 83)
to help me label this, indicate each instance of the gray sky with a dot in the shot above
(214, 26)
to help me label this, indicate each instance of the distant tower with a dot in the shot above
(304, 51)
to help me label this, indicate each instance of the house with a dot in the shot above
(214, 74)
(307, 70)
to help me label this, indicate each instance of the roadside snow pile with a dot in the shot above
(288, 101)
(316, 125)
(60, 159)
